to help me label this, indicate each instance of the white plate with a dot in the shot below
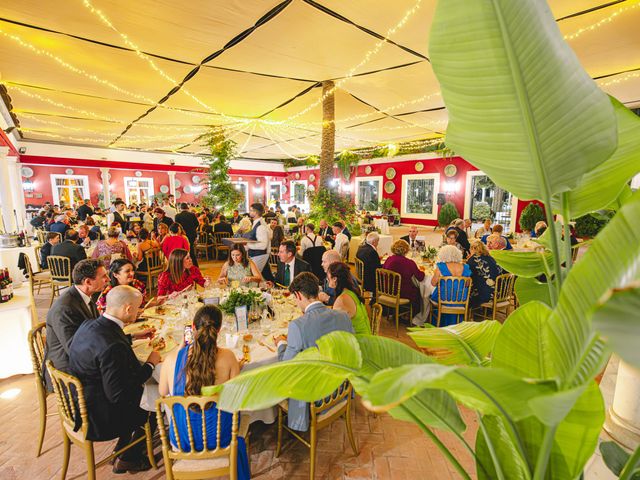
(196, 179)
(164, 188)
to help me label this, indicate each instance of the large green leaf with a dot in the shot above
(521, 107)
(618, 320)
(602, 185)
(467, 343)
(524, 264)
(511, 463)
(610, 262)
(529, 289)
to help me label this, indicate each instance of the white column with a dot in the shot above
(172, 183)
(105, 187)
(623, 417)
(15, 177)
(6, 197)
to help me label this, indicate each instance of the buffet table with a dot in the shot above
(9, 258)
(17, 317)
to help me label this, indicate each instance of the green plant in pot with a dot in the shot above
(503, 66)
(385, 206)
(531, 215)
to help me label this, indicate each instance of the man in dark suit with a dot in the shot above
(84, 210)
(326, 232)
(119, 216)
(70, 248)
(368, 254)
(412, 238)
(72, 308)
(463, 240)
(61, 225)
(190, 224)
(45, 251)
(288, 264)
(345, 230)
(161, 217)
(223, 226)
(100, 355)
(39, 220)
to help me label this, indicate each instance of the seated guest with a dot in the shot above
(310, 239)
(484, 271)
(539, 229)
(485, 229)
(467, 227)
(235, 218)
(204, 226)
(303, 333)
(326, 232)
(348, 298)
(134, 230)
(70, 248)
(163, 232)
(39, 220)
(61, 224)
(496, 231)
(180, 274)
(83, 236)
(277, 233)
(100, 355)
(85, 210)
(328, 294)
(368, 254)
(407, 268)
(112, 248)
(198, 364)
(449, 265)
(288, 264)
(73, 307)
(223, 226)
(160, 217)
(145, 244)
(174, 240)
(412, 238)
(572, 235)
(341, 240)
(49, 220)
(496, 242)
(463, 240)
(451, 238)
(45, 251)
(121, 272)
(239, 268)
(94, 230)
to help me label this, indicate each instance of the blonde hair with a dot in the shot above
(400, 247)
(479, 247)
(450, 254)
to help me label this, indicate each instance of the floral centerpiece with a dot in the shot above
(240, 297)
(430, 253)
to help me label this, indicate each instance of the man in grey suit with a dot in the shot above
(303, 333)
(70, 248)
(72, 308)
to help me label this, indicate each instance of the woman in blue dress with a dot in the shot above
(484, 271)
(187, 370)
(449, 265)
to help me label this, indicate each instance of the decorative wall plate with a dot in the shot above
(389, 187)
(196, 179)
(177, 183)
(178, 195)
(390, 173)
(367, 169)
(311, 188)
(164, 188)
(138, 173)
(258, 181)
(26, 172)
(312, 177)
(187, 189)
(419, 166)
(297, 175)
(69, 171)
(450, 170)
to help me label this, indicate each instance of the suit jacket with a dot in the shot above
(121, 219)
(59, 227)
(346, 231)
(223, 227)
(408, 240)
(45, 251)
(369, 256)
(166, 220)
(100, 355)
(83, 211)
(303, 333)
(299, 265)
(190, 223)
(463, 240)
(71, 250)
(63, 320)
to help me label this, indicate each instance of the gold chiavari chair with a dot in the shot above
(184, 462)
(388, 285)
(60, 268)
(360, 277)
(72, 409)
(453, 297)
(37, 341)
(36, 279)
(375, 317)
(218, 244)
(154, 258)
(203, 243)
(502, 296)
(273, 259)
(41, 235)
(322, 414)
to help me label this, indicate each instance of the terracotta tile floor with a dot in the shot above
(389, 449)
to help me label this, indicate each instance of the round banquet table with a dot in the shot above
(17, 317)
(9, 259)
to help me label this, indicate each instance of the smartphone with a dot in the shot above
(188, 335)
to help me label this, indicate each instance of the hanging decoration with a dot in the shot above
(221, 192)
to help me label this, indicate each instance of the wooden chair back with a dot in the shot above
(203, 240)
(41, 235)
(503, 291)
(388, 283)
(375, 317)
(359, 270)
(175, 453)
(72, 407)
(320, 408)
(453, 296)
(217, 238)
(37, 341)
(60, 268)
(273, 259)
(155, 260)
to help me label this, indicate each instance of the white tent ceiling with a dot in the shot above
(104, 72)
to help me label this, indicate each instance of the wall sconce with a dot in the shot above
(257, 190)
(27, 186)
(450, 187)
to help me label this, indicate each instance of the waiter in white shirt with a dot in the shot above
(258, 250)
(169, 211)
(342, 241)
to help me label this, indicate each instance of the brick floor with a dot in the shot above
(388, 448)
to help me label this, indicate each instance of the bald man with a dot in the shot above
(101, 356)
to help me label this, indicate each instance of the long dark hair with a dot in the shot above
(175, 265)
(115, 268)
(201, 364)
(240, 248)
(344, 280)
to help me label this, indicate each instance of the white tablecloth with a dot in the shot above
(16, 319)
(384, 246)
(9, 258)
(382, 224)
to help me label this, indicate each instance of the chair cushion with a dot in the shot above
(389, 300)
(506, 303)
(201, 465)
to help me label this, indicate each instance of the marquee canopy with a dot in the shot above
(154, 74)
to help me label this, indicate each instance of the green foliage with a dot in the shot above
(221, 193)
(531, 215)
(481, 210)
(620, 463)
(386, 206)
(331, 206)
(380, 152)
(310, 161)
(238, 298)
(345, 162)
(448, 213)
(590, 225)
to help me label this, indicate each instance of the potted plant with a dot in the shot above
(531, 215)
(448, 213)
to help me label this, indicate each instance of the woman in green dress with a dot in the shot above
(239, 270)
(348, 297)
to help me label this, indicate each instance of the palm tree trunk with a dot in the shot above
(328, 134)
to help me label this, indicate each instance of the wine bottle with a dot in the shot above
(9, 280)
(4, 290)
